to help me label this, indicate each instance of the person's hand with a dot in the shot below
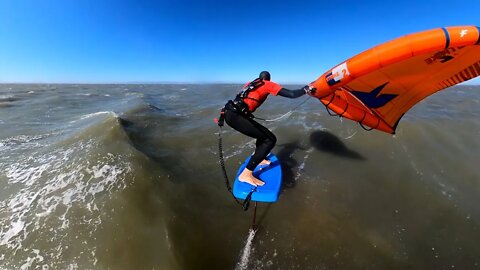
(309, 90)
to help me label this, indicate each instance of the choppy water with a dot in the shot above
(127, 177)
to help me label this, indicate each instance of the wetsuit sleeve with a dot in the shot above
(291, 93)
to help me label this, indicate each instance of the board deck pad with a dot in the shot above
(270, 174)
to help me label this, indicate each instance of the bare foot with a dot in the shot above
(265, 162)
(247, 177)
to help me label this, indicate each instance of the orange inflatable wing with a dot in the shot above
(378, 86)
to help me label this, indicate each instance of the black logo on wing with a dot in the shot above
(374, 99)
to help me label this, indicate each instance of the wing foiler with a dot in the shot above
(378, 86)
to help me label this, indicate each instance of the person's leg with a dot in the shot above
(265, 142)
(264, 145)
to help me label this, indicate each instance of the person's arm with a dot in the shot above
(295, 93)
(291, 93)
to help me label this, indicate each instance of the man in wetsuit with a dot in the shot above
(238, 115)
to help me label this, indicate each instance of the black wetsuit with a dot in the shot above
(245, 124)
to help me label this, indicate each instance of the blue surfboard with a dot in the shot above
(270, 174)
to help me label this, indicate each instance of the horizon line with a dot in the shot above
(173, 82)
(140, 82)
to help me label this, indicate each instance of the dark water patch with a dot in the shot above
(143, 141)
(6, 104)
(289, 165)
(327, 142)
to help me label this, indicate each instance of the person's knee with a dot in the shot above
(271, 141)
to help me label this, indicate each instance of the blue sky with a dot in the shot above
(95, 41)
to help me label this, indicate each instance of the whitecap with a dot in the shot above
(15, 228)
(7, 97)
(50, 185)
(30, 260)
(90, 115)
(98, 113)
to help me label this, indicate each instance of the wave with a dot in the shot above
(8, 98)
(52, 185)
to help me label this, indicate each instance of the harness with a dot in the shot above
(239, 101)
(250, 87)
(238, 104)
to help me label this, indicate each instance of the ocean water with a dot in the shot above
(128, 177)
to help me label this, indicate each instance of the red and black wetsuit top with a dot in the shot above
(257, 96)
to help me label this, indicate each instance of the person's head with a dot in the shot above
(264, 75)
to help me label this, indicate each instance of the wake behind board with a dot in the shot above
(270, 174)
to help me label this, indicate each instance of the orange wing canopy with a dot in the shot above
(378, 86)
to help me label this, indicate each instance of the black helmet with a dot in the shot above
(264, 75)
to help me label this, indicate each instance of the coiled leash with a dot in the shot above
(246, 203)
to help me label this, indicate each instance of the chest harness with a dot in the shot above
(238, 104)
(239, 101)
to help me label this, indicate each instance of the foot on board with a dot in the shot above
(247, 177)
